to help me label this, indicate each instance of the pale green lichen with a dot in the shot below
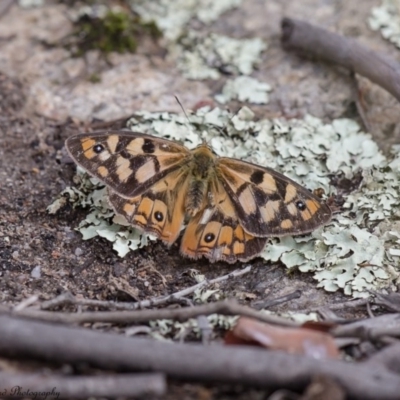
(386, 19)
(175, 330)
(202, 56)
(358, 251)
(30, 3)
(244, 88)
(101, 219)
(173, 16)
(168, 328)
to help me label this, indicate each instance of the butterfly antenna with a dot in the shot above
(180, 104)
(190, 122)
(187, 117)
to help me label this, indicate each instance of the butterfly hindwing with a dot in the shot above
(215, 232)
(160, 210)
(129, 163)
(268, 203)
(218, 238)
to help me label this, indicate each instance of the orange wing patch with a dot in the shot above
(215, 232)
(219, 242)
(159, 211)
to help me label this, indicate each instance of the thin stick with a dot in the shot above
(390, 301)
(227, 364)
(371, 328)
(279, 300)
(27, 302)
(379, 68)
(358, 99)
(17, 385)
(68, 299)
(389, 357)
(226, 307)
(338, 306)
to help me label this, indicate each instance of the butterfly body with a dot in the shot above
(201, 170)
(230, 207)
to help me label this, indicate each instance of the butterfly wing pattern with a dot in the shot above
(231, 207)
(268, 203)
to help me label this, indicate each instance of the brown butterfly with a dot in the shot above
(230, 206)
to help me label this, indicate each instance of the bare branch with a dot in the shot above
(379, 68)
(68, 299)
(14, 385)
(371, 328)
(226, 307)
(274, 302)
(234, 364)
(337, 306)
(389, 357)
(390, 301)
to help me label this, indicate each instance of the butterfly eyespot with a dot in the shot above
(301, 205)
(209, 237)
(98, 148)
(159, 216)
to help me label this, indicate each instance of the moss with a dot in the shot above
(94, 78)
(116, 31)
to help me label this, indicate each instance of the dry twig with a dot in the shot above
(390, 301)
(17, 385)
(68, 299)
(234, 364)
(337, 306)
(274, 302)
(371, 328)
(379, 68)
(389, 357)
(226, 307)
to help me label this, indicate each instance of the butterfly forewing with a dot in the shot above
(129, 163)
(268, 203)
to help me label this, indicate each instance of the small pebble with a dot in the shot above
(78, 251)
(35, 273)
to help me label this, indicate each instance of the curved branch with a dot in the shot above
(379, 68)
(233, 364)
(19, 385)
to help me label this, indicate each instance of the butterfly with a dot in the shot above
(230, 207)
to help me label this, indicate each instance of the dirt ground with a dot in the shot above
(45, 95)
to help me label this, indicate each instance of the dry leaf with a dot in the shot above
(305, 341)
